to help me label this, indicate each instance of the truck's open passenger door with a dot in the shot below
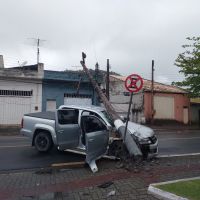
(67, 128)
(96, 139)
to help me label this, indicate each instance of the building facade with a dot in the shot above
(30, 89)
(66, 88)
(20, 92)
(166, 103)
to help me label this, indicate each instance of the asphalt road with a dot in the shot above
(16, 152)
(179, 142)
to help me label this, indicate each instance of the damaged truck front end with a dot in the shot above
(146, 138)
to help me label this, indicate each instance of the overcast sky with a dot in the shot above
(129, 32)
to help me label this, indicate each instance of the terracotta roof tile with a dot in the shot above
(158, 87)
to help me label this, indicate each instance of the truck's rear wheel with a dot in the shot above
(43, 142)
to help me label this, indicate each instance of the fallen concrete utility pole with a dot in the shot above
(130, 142)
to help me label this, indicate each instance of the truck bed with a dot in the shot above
(44, 115)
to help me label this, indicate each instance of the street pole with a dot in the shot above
(37, 42)
(38, 51)
(152, 91)
(108, 80)
(131, 143)
(129, 109)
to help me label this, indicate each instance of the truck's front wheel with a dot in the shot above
(43, 142)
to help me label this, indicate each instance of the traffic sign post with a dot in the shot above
(133, 84)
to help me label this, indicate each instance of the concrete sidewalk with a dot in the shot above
(9, 130)
(81, 183)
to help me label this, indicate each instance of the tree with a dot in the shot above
(189, 64)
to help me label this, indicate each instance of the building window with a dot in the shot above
(16, 93)
(74, 95)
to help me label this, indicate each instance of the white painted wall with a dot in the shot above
(120, 103)
(14, 107)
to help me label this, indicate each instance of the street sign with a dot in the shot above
(134, 83)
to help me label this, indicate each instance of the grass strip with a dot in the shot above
(189, 189)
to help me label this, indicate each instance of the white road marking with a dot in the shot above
(178, 155)
(186, 138)
(13, 146)
(13, 137)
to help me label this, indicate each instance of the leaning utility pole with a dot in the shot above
(130, 142)
(104, 99)
(152, 91)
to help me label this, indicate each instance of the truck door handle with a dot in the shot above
(61, 131)
(90, 140)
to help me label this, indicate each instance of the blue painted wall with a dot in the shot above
(56, 84)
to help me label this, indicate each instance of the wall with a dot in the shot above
(138, 108)
(36, 98)
(116, 86)
(119, 97)
(180, 101)
(32, 72)
(21, 92)
(119, 101)
(57, 89)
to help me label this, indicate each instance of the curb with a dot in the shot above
(161, 194)
(176, 130)
(178, 155)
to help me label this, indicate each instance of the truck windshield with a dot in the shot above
(107, 116)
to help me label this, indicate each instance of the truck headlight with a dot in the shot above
(144, 141)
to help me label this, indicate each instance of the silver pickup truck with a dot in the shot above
(83, 128)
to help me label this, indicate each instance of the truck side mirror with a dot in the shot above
(109, 128)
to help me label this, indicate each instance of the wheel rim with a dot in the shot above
(42, 142)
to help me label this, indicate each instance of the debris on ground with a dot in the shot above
(44, 171)
(119, 165)
(64, 170)
(136, 165)
(111, 193)
(86, 194)
(105, 185)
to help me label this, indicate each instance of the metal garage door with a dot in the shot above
(81, 100)
(164, 107)
(12, 109)
(50, 105)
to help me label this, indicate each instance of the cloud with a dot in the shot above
(130, 33)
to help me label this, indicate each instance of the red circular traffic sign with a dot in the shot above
(134, 83)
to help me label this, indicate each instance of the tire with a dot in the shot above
(145, 155)
(43, 142)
